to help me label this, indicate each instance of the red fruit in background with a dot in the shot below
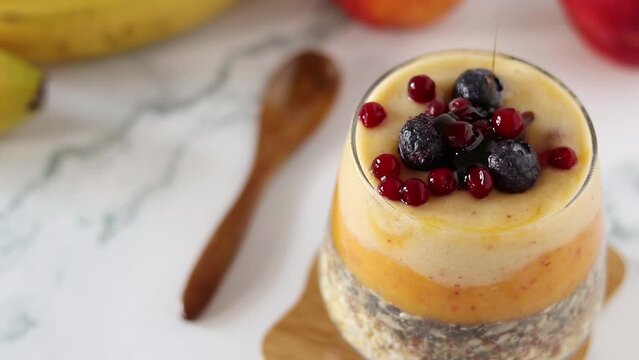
(393, 13)
(610, 26)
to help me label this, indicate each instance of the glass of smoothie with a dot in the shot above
(467, 218)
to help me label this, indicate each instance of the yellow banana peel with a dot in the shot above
(58, 30)
(21, 90)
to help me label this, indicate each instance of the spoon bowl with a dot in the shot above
(295, 103)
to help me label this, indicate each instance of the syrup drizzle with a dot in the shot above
(495, 35)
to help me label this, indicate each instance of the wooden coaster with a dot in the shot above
(306, 332)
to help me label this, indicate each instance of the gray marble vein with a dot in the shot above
(317, 31)
(16, 326)
(17, 318)
(115, 220)
(13, 244)
(182, 121)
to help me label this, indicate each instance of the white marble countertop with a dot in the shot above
(107, 197)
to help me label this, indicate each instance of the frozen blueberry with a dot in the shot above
(420, 145)
(514, 165)
(480, 86)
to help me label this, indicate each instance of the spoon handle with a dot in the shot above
(220, 251)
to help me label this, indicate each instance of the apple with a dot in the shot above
(394, 13)
(610, 26)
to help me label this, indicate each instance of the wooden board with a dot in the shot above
(306, 332)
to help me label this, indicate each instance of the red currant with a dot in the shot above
(441, 181)
(436, 108)
(414, 192)
(372, 114)
(479, 182)
(421, 89)
(508, 123)
(562, 158)
(459, 105)
(390, 188)
(385, 165)
(459, 135)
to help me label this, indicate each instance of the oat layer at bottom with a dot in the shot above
(378, 330)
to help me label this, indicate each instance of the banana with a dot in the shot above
(22, 88)
(48, 31)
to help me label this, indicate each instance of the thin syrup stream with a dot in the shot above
(495, 36)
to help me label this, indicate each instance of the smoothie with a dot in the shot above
(513, 275)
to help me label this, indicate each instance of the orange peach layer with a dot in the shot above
(546, 280)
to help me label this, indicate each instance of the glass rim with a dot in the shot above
(385, 75)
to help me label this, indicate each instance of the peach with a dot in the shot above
(392, 13)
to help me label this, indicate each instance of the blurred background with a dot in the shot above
(112, 182)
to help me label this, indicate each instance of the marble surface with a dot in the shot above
(107, 197)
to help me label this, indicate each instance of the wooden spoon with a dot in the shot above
(296, 100)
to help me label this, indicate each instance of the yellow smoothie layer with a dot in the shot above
(547, 279)
(457, 240)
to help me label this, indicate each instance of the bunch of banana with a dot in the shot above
(21, 90)
(59, 30)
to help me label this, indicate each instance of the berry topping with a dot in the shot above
(480, 86)
(436, 108)
(372, 114)
(386, 165)
(514, 165)
(414, 192)
(562, 158)
(442, 121)
(420, 145)
(470, 142)
(459, 105)
(421, 89)
(441, 181)
(464, 110)
(485, 128)
(391, 188)
(479, 182)
(459, 135)
(508, 123)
